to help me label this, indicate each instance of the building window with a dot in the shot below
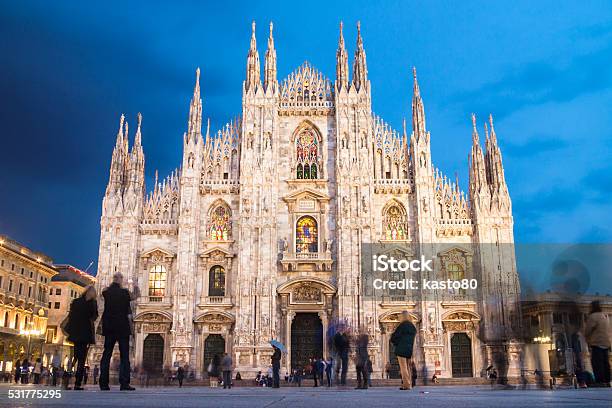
(6, 319)
(57, 305)
(10, 288)
(557, 318)
(1, 282)
(157, 282)
(307, 155)
(306, 235)
(16, 326)
(50, 335)
(455, 272)
(216, 281)
(58, 291)
(220, 224)
(20, 288)
(394, 223)
(51, 291)
(30, 291)
(49, 305)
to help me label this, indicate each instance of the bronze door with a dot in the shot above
(306, 339)
(153, 353)
(213, 345)
(461, 355)
(394, 368)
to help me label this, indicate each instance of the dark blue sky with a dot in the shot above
(68, 71)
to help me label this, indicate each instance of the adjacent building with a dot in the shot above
(554, 329)
(258, 233)
(25, 276)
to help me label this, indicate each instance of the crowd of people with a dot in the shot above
(116, 328)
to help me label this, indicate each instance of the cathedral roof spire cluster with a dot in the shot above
(253, 77)
(194, 125)
(270, 80)
(360, 68)
(341, 63)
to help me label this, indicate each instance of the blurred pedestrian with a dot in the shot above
(597, 333)
(25, 371)
(329, 364)
(226, 368)
(80, 329)
(37, 371)
(361, 360)
(213, 371)
(403, 340)
(17, 373)
(116, 328)
(96, 372)
(276, 359)
(180, 376)
(413, 371)
(341, 344)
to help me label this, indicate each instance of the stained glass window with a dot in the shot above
(220, 225)
(395, 224)
(456, 273)
(216, 281)
(157, 281)
(307, 149)
(306, 235)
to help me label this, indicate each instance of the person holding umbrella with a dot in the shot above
(276, 358)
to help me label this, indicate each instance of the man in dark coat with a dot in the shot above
(403, 340)
(276, 359)
(116, 329)
(341, 344)
(80, 328)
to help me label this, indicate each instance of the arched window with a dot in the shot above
(220, 224)
(455, 272)
(157, 282)
(307, 154)
(16, 321)
(6, 319)
(394, 223)
(306, 235)
(216, 281)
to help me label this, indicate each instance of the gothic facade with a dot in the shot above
(258, 233)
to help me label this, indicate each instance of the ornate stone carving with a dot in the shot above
(306, 293)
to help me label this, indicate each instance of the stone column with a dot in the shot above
(290, 316)
(323, 317)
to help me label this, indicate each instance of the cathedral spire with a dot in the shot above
(194, 127)
(138, 138)
(493, 160)
(119, 142)
(418, 110)
(477, 168)
(341, 63)
(270, 63)
(253, 77)
(360, 68)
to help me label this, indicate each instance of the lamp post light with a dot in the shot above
(29, 333)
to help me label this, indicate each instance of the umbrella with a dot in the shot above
(278, 345)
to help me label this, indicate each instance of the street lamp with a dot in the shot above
(29, 333)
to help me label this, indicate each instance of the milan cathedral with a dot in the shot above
(258, 233)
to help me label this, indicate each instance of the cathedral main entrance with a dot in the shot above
(213, 345)
(306, 339)
(153, 353)
(394, 368)
(461, 355)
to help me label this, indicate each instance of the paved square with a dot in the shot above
(308, 397)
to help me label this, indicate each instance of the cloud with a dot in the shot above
(541, 82)
(534, 146)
